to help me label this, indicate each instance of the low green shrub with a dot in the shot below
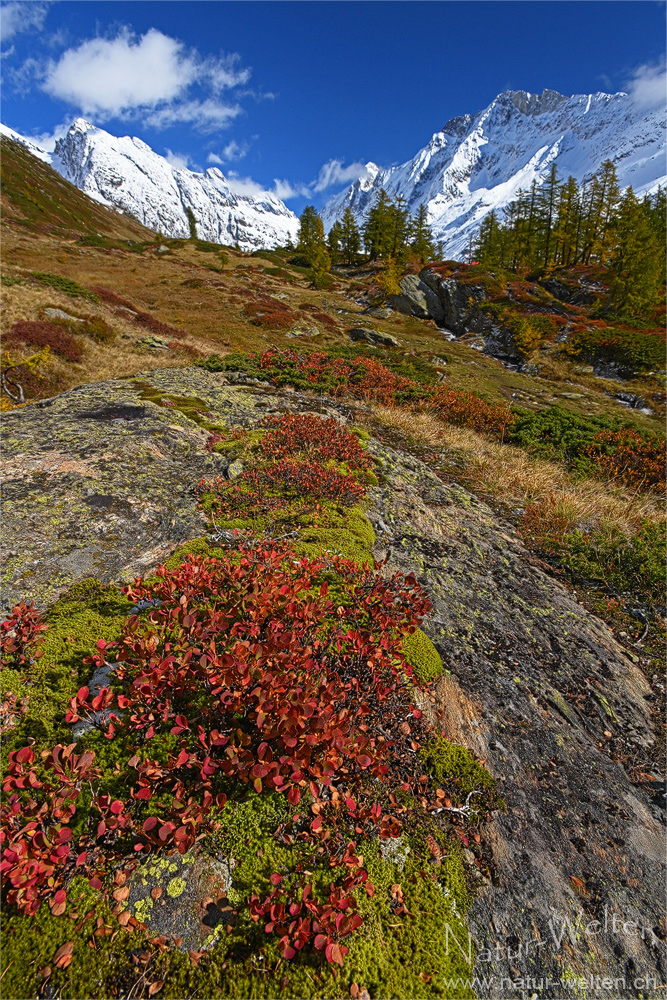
(602, 446)
(633, 350)
(66, 285)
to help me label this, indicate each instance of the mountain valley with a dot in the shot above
(383, 557)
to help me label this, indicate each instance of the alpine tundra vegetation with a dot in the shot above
(333, 570)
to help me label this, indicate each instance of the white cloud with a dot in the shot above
(647, 85)
(112, 76)
(284, 189)
(235, 150)
(222, 73)
(333, 173)
(24, 76)
(150, 76)
(247, 186)
(179, 161)
(207, 116)
(17, 17)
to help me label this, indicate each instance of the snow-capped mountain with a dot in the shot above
(479, 162)
(127, 174)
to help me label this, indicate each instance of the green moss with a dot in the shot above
(88, 611)
(359, 432)
(30, 943)
(422, 656)
(197, 547)
(348, 533)
(454, 765)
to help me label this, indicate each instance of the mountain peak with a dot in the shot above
(480, 162)
(126, 174)
(82, 125)
(535, 104)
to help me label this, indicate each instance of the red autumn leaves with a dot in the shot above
(266, 684)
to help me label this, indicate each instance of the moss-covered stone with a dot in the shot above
(422, 656)
(451, 763)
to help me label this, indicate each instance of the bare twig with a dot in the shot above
(463, 810)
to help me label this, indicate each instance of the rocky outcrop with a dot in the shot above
(418, 299)
(458, 303)
(457, 307)
(373, 337)
(100, 482)
(536, 686)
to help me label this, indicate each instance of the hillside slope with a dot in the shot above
(390, 661)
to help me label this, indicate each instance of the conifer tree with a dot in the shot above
(398, 230)
(311, 235)
(334, 242)
(636, 259)
(489, 247)
(548, 206)
(192, 223)
(320, 264)
(350, 240)
(421, 237)
(378, 227)
(389, 279)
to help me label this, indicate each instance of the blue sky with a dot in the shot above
(296, 97)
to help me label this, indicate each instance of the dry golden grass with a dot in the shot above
(119, 357)
(510, 475)
(179, 288)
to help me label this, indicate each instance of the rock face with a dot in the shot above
(456, 303)
(534, 684)
(418, 299)
(99, 481)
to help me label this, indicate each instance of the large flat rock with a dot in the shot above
(534, 685)
(100, 482)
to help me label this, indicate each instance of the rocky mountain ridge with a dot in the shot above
(479, 162)
(125, 173)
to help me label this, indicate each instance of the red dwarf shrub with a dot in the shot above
(269, 313)
(260, 491)
(21, 636)
(467, 410)
(263, 682)
(310, 435)
(38, 333)
(142, 318)
(630, 457)
(325, 320)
